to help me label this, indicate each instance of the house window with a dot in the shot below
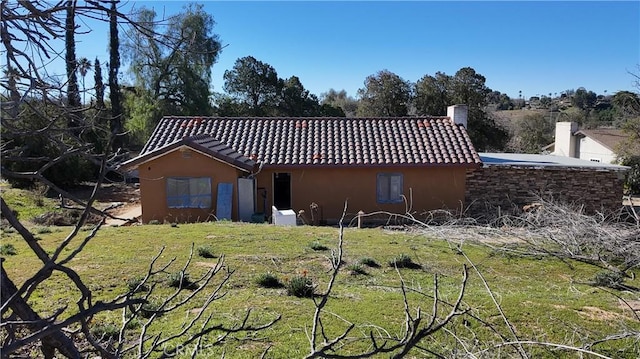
(389, 187)
(185, 192)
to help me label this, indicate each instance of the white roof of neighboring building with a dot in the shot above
(540, 161)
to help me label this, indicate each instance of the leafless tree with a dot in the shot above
(557, 230)
(34, 106)
(417, 327)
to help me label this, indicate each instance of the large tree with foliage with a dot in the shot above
(73, 91)
(295, 100)
(254, 89)
(583, 99)
(469, 88)
(385, 94)
(115, 95)
(98, 85)
(254, 84)
(339, 99)
(171, 63)
(434, 93)
(34, 116)
(532, 132)
(627, 107)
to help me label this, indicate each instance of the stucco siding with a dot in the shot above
(182, 163)
(589, 150)
(329, 188)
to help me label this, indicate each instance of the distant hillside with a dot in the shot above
(509, 118)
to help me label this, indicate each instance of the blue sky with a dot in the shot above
(533, 47)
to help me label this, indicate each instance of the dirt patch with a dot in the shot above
(131, 213)
(120, 200)
(595, 313)
(631, 305)
(207, 264)
(110, 192)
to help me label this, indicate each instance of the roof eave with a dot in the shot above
(376, 165)
(135, 162)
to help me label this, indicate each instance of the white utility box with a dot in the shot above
(285, 217)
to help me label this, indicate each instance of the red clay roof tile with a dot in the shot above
(328, 141)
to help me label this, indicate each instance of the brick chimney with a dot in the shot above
(458, 114)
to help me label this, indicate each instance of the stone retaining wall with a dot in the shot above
(510, 188)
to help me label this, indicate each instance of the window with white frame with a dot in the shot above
(189, 192)
(389, 188)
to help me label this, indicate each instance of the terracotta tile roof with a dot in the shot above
(219, 150)
(202, 143)
(278, 141)
(607, 137)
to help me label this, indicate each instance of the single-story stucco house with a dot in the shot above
(203, 168)
(596, 145)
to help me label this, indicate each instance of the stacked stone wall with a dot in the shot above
(510, 188)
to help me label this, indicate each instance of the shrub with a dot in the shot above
(154, 221)
(301, 287)
(608, 279)
(369, 262)
(180, 280)
(67, 217)
(206, 251)
(133, 324)
(8, 249)
(403, 261)
(317, 246)
(356, 269)
(632, 179)
(268, 280)
(105, 331)
(150, 308)
(43, 230)
(134, 285)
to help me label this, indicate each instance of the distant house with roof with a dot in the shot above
(201, 168)
(597, 145)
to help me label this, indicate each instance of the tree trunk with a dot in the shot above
(23, 310)
(115, 95)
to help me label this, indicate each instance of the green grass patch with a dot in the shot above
(28, 204)
(543, 298)
(43, 230)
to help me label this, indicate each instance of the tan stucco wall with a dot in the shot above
(432, 188)
(153, 186)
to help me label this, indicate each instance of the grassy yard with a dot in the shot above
(544, 299)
